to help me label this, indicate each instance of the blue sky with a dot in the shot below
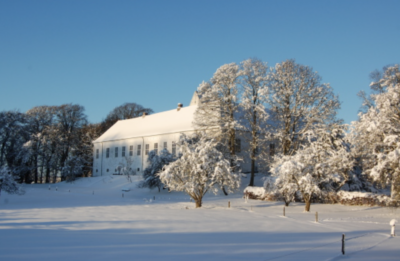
(101, 54)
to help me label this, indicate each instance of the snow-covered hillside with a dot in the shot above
(93, 219)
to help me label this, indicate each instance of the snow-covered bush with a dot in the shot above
(7, 182)
(277, 191)
(73, 167)
(199, 169)
(255, 192)
(366, 198)
(151, 178)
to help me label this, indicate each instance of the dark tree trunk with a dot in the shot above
(253, 166)
(308, 205)
(198, 203)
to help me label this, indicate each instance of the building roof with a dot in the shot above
(173, 121)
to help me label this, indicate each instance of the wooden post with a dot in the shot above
(343, 239)
(283, 210)
(316, 216)
(122, 194)
(229, 204)
(251, 207)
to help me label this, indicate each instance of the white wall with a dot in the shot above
(108, 166)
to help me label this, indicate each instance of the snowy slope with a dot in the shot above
(90, 220)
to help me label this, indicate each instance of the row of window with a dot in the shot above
(238, 148)
(138, 150)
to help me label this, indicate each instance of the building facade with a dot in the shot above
(127, 143)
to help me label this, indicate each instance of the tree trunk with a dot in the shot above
(253, 167)
(198, 202)
(394, 190)
(308, 205)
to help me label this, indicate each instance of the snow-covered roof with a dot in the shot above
(172, 121)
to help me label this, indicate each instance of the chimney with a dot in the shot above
(180, 105)
(144, 114)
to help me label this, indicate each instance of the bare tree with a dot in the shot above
(69, 118)
(126, 111)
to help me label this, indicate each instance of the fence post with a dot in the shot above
(316, 217)
(343, 239)
(284, 211)
(229, 204)
(393, 224)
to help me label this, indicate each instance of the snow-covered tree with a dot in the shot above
(199, 169)
(151, 179)
(254, 81)
(8, 183)
(219, 105)
(377, 132)
(324, 162)
(297, 102)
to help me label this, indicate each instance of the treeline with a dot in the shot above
(54, 143)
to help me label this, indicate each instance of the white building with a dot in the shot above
(132, 139)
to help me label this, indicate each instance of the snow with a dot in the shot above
(173, 121)
(90, 220)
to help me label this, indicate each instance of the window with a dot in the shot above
(131, 151)
(97, 153)
(147, 149)
(166, 145)
(174, 148)
(238, 145)
(139, 149)
(272, 149)
(107, 152)
(116, 152)
(123, 152)
(156, 148)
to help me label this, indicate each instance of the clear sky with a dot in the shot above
(101, 54)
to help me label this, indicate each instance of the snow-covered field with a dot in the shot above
(90, 220)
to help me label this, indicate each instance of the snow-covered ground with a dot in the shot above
(91, 220)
